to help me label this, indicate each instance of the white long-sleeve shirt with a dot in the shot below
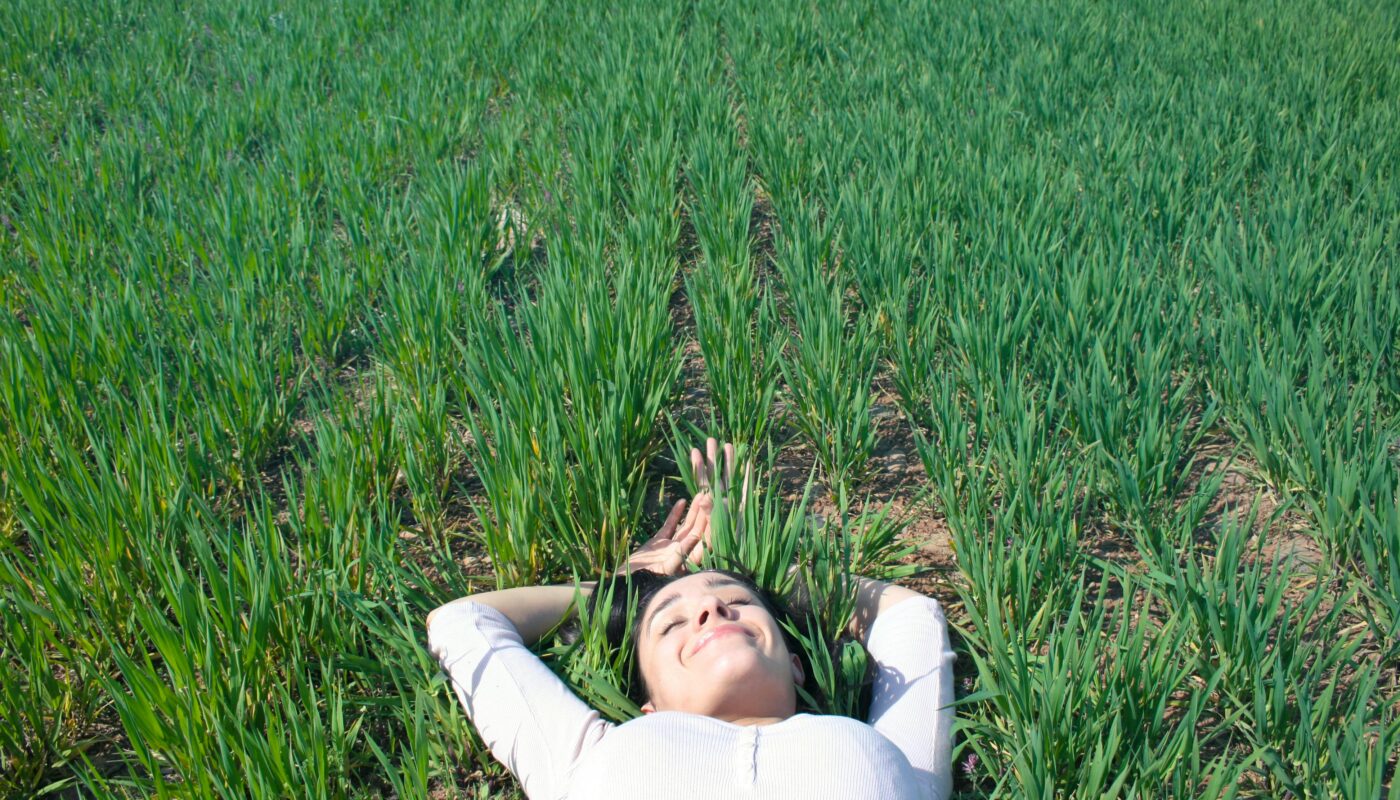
(557, 746)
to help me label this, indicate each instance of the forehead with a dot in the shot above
(699, 583)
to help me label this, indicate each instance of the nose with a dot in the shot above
(714, 610)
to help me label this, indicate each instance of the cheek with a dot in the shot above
(770, 627)
(651, 658)
(644, 658)
(658, 674)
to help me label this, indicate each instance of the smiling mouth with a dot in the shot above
(715, 634)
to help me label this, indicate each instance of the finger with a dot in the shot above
(712, 459)
(694, 513)
(697, 553)
(685, 543)
(695, 543)
(697, 468)
(704, 505)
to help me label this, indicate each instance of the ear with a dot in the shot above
(798, 676)
(648, 707)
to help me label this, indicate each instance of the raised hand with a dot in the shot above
(680, 541)
(667, 551)
(715, 478)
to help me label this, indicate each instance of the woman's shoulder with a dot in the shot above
(831, 726)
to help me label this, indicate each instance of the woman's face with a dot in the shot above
(706, 645)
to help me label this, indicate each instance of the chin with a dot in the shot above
(735, 664)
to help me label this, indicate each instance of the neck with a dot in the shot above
(766, 711)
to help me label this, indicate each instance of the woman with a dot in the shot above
(721, 713)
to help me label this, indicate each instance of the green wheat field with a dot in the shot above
(1081, 316)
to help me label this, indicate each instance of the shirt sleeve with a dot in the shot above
(914, 687)
(527, 716)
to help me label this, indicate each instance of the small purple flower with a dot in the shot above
(969, 764)
(967, 684)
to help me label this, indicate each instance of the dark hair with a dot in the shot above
(639, 589)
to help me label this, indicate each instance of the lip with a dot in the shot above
(715, 632)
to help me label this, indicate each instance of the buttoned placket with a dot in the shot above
(747, 755)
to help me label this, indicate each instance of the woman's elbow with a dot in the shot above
(432, 615)
(428, 622)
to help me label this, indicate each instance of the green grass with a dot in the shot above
(304, 305)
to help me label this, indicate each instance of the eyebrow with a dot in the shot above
(712, 583)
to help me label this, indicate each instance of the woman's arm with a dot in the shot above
(907, 638)
(529, 718)
(533, 610)
(873, 598)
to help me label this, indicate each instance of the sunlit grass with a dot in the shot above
(313, 317)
